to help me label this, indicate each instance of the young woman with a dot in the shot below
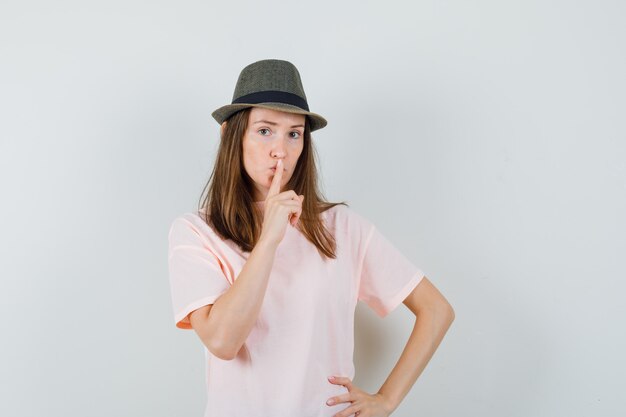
(268, 274)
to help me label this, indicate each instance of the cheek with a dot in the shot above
(252, 159)
(254, 162)
(298, 155)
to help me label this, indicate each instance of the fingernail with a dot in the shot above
(332, 378)
(330, 402)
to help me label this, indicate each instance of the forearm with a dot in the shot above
(234, 313)
(428, 331)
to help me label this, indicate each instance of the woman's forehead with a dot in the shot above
(275, 116)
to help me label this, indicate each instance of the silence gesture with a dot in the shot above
(280, 209)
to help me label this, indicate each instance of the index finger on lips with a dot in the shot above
(278, 175)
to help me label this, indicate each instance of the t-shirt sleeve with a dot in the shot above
(196, 277)
(387, 277)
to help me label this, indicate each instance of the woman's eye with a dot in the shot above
(297, 134)
(262, 130)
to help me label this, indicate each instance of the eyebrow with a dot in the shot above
(273, 123)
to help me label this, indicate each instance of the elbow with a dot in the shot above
(219, 353)
(441, 311)
(222, 351)
(214, 341)
(451, 314)
(223, 355)
(216, 349)
(447, 311)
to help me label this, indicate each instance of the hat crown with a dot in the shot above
(272, 84)
(269, 75)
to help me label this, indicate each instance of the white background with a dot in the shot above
(486, 139)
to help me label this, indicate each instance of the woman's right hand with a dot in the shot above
(280, 209)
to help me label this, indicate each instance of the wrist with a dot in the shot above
(389, 405)
(266, 244)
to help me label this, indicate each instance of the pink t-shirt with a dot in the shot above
(305, 329)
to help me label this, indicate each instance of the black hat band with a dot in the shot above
(273, 96)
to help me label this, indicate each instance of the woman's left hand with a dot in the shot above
(363, 404)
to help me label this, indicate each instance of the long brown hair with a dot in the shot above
(228, 204)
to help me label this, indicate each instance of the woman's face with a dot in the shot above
(271, 135)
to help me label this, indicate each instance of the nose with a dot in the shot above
(279, 149)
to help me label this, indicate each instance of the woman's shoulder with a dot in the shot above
(189, 218)
(342, 216)
(192, 223)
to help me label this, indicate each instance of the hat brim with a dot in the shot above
(224, 112)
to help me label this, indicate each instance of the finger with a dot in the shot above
(289, 195)
(295, 210)
(339, 379)
(353, 409)
(342, 380)
(343, 398)
(289, 208)
(278, 176)
(297, 216)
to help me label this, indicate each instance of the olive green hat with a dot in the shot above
(272, 84)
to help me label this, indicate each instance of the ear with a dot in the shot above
(223, 127)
